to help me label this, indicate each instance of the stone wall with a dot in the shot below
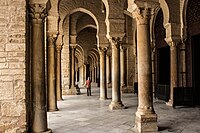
(12, 66)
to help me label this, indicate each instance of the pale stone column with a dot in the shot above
(51, 89)
(116, 93)
(122, 66)
(173, 70)
(103, 87)
(72, 89)
(39, 106)
(84, 73)
(58, 68)
(108, 71)
(182, 74)
(146, 118)
(93, 76)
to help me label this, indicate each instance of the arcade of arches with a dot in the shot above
(48, 48)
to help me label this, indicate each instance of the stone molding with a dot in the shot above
(37, 12)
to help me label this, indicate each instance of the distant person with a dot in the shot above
(88, 86)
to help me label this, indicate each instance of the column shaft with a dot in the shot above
(103, 89)
(122, 66)
(146, 119)
(52, 100)
(73, 67)
(108, 72)
(116, 93)
(58, 74)
(39, 108)
(173, 71)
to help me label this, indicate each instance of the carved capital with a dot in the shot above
(37, 12)
(115, 41)
(51, 40)
(122, 48)
(172, 41)
(102, 50)
(73, 46)
(59, 42)
(142, 15)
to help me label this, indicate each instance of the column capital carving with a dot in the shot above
(52, 40)
(173, 41)
(142, 15)
(122, 48)
(116, 41)
(59, 42)
(73, 46)
(37, 12)
(102, 50)
(72, 39)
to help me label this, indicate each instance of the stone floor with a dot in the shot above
(83, 114)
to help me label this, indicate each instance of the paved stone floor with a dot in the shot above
(83, 114)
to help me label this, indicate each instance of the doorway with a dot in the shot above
(163, 88)
(196, 68)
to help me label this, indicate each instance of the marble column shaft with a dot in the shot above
(173, 71)
(51, 88)
(116, 93)
(58, 72)
(122, 66)
(103, 87)
(72, 66)
(108, 71)
(39, 106)
(146, 119)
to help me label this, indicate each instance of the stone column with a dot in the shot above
(93, 77)
(108, 72)
(51, 89)
(173, 70)
(116, 93)
(103, 89)
(39, 106)
(182, 74)
(58, 68)
(146, 118)
(122, 66)
(95, 74)
(72, 89)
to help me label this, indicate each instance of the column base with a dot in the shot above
(146, 123)
(103, 98)
(60, 99)
(48, 131)
(127, 89)
(53, 110)
(72, 91)
(170, 103)
(116, 105)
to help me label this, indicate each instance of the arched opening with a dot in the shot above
(162, 60)
(193, 47)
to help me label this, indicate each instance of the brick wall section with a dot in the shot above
(12, 66)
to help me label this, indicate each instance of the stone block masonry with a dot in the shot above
(12, 66)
